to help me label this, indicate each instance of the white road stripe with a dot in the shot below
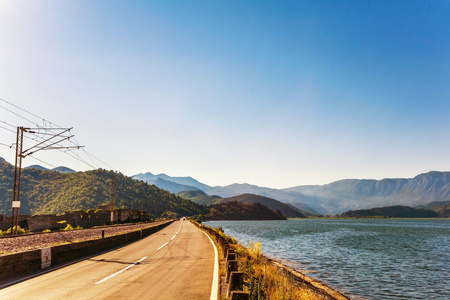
(117, 273)
(162, 246)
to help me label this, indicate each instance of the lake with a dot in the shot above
(363, 258)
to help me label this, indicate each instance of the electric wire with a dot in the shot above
(42, 130)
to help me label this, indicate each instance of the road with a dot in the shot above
(177, 262)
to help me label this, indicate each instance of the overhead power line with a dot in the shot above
(48, 129)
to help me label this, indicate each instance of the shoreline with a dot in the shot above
(319, 289)
(314, 284)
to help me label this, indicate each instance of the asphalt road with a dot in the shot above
(177, 262)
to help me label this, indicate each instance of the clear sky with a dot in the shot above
(272, 93)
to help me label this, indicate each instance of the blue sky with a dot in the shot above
(272, 93)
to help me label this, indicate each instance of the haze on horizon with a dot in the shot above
(267, 93)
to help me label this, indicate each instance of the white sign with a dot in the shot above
(46, 257)
(16, 204)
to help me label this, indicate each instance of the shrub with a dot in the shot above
(20, 230)
(68, 227)
(254, 249)
(46, 231)
(1, 233)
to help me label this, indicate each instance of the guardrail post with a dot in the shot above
(232, 266)
(236, 282)
(236, 295)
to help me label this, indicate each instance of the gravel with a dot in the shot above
(42, 240)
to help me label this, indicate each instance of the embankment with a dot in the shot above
(27, 262)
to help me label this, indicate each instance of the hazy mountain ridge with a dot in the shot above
(360, 194)
(59, 169)
(346, 194)
(170, 186)
(285, 209)
(185, 181)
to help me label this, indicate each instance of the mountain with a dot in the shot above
(170, 186)
(353, 194)
(442, 208)
(432, 205)
(235, 210)
(303, 208)
(184, 181)
(49, 192)
(285, 209)
(199, 197)
(62, 169)
(36, 167)
(397, 211)
(342, 195)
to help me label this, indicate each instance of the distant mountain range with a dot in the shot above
(334, 198)
(58, 169)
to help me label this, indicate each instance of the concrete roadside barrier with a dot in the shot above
(23, 263)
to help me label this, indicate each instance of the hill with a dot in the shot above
(235, 210)
(286, 210)
(170, 186)
(397, 211)
(52, 192)
(443, 210)
(185, 183)
(199, 197)
(62, 169)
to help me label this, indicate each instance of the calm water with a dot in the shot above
(365, 259)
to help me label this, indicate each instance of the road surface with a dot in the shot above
(177, 262)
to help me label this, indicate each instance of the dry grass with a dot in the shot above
(266, 281)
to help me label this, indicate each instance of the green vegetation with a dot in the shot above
(287, 210)
(443, 210)
(68, 228)
(51, 192)
(20, 230)
(199, 197)
(390, 212)
(235, 210)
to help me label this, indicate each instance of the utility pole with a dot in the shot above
(142, 210)
(113, 190)
(20, 154)
(17, 177)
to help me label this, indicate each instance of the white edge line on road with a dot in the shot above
(215, 283)
(117, 273)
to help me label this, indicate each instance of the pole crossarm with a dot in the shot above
(20, 154)
(25, 154)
